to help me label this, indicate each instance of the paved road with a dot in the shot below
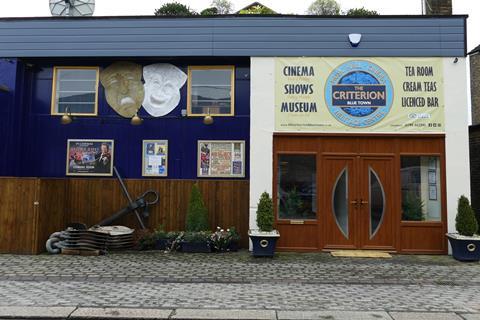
(238, 281)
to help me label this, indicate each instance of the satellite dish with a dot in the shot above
(72, 8)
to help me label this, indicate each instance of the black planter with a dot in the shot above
(161, 244)
(263, 244)
(196, 247)
(465, 249)
(233, 246)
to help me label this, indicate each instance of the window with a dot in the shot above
(296, 187)
(211, 90)
(420, 183)
(75, 88)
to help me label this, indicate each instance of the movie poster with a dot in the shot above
(89, 157)
(221, 158)
(155, 158)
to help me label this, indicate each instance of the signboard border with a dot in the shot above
(242, 143)
(143, 158)
(112, 152)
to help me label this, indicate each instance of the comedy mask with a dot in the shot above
(162, 88)
(123, 87)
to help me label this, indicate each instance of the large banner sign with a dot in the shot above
(359, 95)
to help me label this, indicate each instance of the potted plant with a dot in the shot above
(196, 242)
(466, 243)
(224, 240)
(265, 238)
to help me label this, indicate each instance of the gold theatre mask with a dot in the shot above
(123, 87)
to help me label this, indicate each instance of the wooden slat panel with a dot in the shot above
(51, 213)
(423, 239)
(17, 215)
(24, 229)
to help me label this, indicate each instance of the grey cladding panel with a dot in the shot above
(231, 36)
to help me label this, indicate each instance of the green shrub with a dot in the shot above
(265, 216)
(292, 203)
(465, 222)
(361, 12)
(197, 237)
(197, 215)
(259, 9)
(147, 241)
(412, 207)
(209, 12)
(174, 9)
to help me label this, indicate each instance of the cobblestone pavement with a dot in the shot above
(291, 281)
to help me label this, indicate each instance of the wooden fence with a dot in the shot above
(33, 208)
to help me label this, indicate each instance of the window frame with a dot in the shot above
(232, 90)
(54, 89)
(276, 178)
(440, 191)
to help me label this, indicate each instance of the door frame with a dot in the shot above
(418, 237)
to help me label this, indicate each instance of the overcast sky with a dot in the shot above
(29, 8)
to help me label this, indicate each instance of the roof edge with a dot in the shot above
(278, 16)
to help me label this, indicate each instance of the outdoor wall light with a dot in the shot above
(67, 117)
(208, 119)
(355, 39)
(136, 120)
(4, 88)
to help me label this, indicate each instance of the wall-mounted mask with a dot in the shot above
(123, 87)
(162, 88)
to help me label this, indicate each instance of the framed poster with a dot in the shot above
(220, 158)
(155, 158)
(432, 192)
(89, 157)
(432, 177)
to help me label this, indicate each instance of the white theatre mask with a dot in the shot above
(162, 88)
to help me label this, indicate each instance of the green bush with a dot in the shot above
(465, 222)
(209, 12)
(265, 216)
(361, 12)
(412, 207)
(197, 237)
(259, 9)
(197, 215)
(174, 9)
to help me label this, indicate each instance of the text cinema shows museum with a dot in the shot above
(361, 147)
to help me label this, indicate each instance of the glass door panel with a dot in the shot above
(340, 202)
(377, 203)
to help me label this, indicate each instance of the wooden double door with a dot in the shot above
(357, 197)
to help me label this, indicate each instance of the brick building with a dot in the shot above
(475, 128)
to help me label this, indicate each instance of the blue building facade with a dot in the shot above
(39, 139)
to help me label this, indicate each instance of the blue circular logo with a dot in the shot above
(359, 93)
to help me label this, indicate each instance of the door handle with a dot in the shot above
(363, 202)
(355, 203)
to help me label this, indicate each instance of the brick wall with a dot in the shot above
(475, 168)
(438, 7)
(475, 86)
(475, 132)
